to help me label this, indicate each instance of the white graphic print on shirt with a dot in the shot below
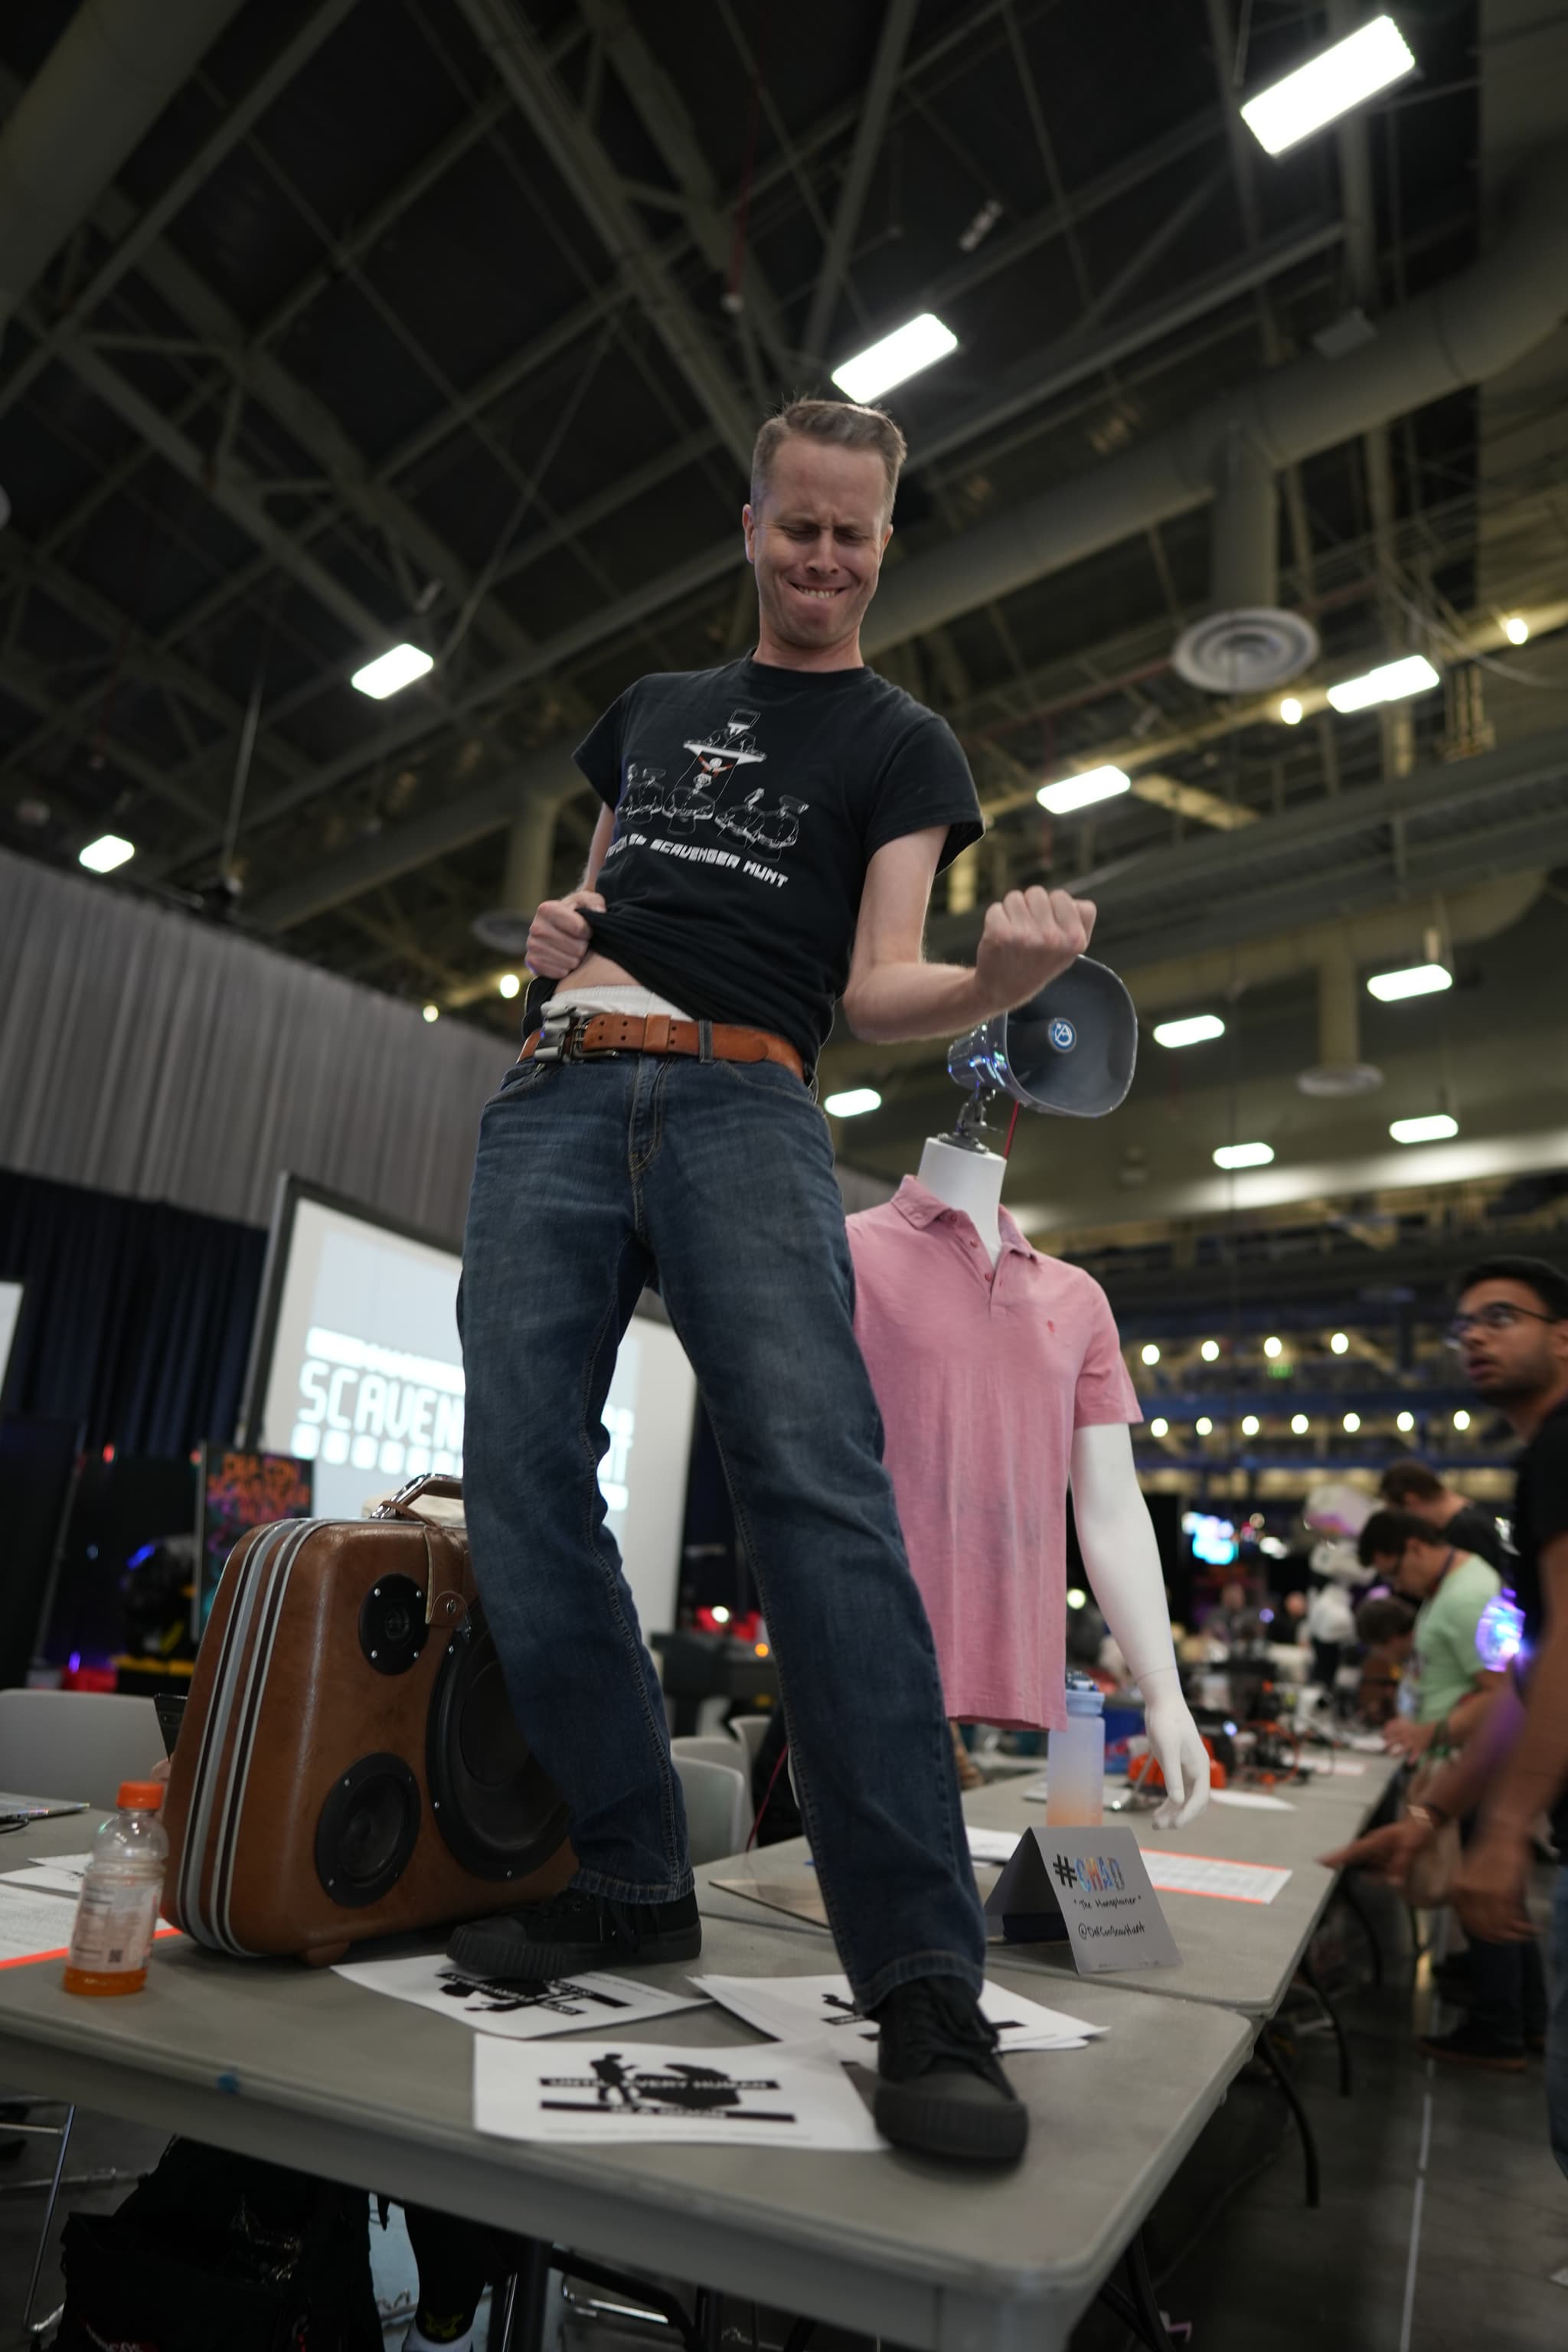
(695, 797)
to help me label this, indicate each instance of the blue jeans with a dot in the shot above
(590, 1177)
(1557, 2029)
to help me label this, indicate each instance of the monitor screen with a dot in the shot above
(237, 1492)
(356, 1369)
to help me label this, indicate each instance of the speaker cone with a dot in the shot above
(392, 1626)
(500, 1815)
(367, 1831)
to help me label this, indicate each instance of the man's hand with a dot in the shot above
(559, 935)
(1488, 1893)
(1401, 1738)
(1386, 1853)
(1030, 937)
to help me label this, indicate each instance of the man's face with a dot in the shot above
(816, 541)
(1416, 1570)
(1523, 1357)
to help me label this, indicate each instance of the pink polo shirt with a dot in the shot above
(982, 1379)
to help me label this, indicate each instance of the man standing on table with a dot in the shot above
(769, 838)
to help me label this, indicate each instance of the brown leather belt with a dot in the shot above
(579, 1037)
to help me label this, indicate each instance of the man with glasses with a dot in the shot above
(1511, 1331)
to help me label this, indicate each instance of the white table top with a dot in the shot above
(300, 2067)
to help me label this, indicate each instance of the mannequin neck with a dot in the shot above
(969, 1181)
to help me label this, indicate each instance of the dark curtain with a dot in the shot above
(136, 1318)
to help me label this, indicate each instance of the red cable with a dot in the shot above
(1012, 1123)
(767, 1794)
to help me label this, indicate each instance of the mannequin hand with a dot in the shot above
(559, 935)
(1030, 937)
(1177, 1747)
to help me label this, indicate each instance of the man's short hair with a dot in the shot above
(1384, 1618)
(1403, 1479)
(1549, 1282)
(838, 422)
(1386, 1533)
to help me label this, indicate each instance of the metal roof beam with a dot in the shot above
(875, 104)
(520, 56)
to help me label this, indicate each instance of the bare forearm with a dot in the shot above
(895, 1002)
(1460, 1786)
(1538, 1766)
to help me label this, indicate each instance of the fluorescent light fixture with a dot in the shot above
(899, 355)
(1516, 629)
(1069, 792)
(1340, 1343)
(1196, 1030)
(1272, 1347)
(1290, 711)
(432, 1013)
(1209, 1351)
(1372, 58)
(1405, 1423)
(1244, 1155)
(1416, 979)
(1461, 1419)
(1390, 682)
(509, 985)
(1203, 1425)
(1159, 1428)
(1351, 1423)
(1435, 1128)
(1250, 1425)
(392, 671)
(853, 1103)
(1300, 1424)
(1151, 1353)
(102, 856)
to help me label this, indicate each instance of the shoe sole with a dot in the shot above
(1467, 2058)
(485, 1949)
(914, 2119)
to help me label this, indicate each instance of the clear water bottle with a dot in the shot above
(1075, 1782)
(117, 1910)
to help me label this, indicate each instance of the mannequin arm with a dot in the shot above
(1122, 1560)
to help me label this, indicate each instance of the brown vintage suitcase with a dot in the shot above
(348, 1765)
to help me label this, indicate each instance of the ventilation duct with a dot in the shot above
(1339, 1069)
(1248, 643)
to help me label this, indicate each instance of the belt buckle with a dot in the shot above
(555, 1034)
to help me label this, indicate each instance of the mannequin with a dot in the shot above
(1115, 1536)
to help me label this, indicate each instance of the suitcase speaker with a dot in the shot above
(349, 1765)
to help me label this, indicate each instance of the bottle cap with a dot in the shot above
(1083, 1696)
(140, 1796)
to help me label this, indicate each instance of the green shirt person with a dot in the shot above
(1451, 1587)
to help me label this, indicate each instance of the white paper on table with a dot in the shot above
(62, 1874)
(1035, 1793)
(992, 1846)
(1337, 1768)
(1206, 1873)
(515, 2008)
(770, 2096)
(37, 1926)
(821, 2009)
(1251, 1800)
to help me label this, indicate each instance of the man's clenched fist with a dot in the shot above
(1030, 937)
(559, 936)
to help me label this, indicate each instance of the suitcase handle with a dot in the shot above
(433, 1482)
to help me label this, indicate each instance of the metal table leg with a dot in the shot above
(1271, 2058)
(28, 2330)
(517, 2308)
(1310, 1976)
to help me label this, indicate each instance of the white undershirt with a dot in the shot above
(617, 996)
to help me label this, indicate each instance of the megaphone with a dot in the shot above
(1070, 1050)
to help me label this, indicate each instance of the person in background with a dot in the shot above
(1234, 1622)
(1330, 1629)
(1385, 1628)
(1511, 1331)
(1411, 1487)
(1450, 1588)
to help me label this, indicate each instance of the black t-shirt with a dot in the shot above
(1541, 1514)
(748, 801)
(1474, 1529)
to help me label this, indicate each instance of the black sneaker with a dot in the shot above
(1472, 2045)
(940, 2085)
(572, 1932)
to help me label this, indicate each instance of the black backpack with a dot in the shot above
(216, 2252)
